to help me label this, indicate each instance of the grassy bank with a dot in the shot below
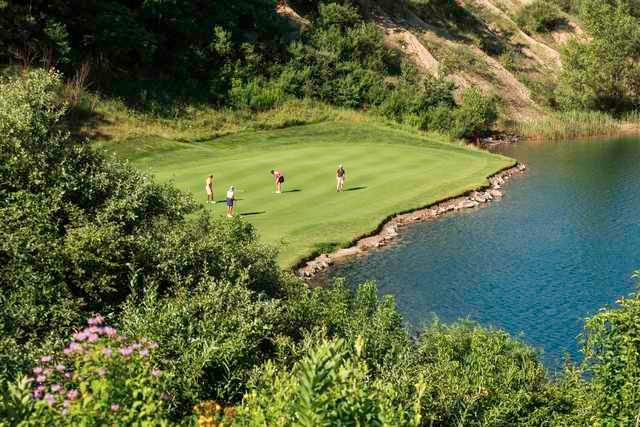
(388, 171)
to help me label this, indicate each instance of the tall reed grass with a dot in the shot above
(569, 125)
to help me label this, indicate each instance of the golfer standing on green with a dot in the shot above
(340, 176)
(231, 199)
(209, 189)
(279, 177)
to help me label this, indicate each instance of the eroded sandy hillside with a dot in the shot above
(485, 49)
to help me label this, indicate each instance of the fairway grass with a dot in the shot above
(388, 171)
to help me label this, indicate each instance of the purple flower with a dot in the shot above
(109, 331)
(115, 407)
(156, 372)
(92, 338)
(67, 350)
(96, 320)
(106, 351)
(72, 394)
(126, 351)
(66, 403)
(67, 375)
(144, 352)
(49, 398)
(80, 336)
(60, 368)
(37, 394)
(56, 388)
(40, 388)
(136, 345)
(75, 347)
(41, 378)
(45, 359)
(37, 370)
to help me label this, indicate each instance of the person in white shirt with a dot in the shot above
(231, 199)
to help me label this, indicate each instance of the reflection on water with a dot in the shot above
(560, 245)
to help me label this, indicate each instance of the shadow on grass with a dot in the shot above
(253, 213)
(356, 188)
(295, 190)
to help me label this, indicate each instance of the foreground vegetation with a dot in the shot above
(193, 320)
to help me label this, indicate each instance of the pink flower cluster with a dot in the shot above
(54, 383)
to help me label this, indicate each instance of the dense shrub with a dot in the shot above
(612, 361)
(476, 115)
(329, 386)
(602, 73)
(540, 16)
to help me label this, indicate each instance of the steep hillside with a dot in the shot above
(478, 43)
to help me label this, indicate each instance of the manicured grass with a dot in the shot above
(388, 171)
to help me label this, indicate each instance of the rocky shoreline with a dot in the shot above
(389, 230)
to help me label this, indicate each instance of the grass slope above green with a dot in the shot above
(388, 171)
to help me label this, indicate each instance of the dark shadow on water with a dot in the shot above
(253, 213)
(295, 190)
(355, 188)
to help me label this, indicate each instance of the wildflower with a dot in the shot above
(67, 375)
(93, 329)
(136, 345)
(55, 388)
(45, 359)
(126, 351)
(115, 407)
(92, 338)
(41, 378)
(80, 336)
(107, 351)
(156, 372)
(109, 331)
(60, 368)
(72, 394)
(50, 399)
(37, 394)
(96, 320)
(37, 370)
(66, 403)
(144, 352)
(75, 347)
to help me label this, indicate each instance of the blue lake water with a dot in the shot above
(561, 244)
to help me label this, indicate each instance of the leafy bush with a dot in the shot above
(100, 378)
(540, 16)
(602, 73)
(476, 115)
(612, 361)
(329, 386)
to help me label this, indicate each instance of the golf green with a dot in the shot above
(388, 171)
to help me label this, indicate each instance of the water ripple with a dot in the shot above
(559, 246)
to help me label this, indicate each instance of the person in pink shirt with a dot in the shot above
(279, 177)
